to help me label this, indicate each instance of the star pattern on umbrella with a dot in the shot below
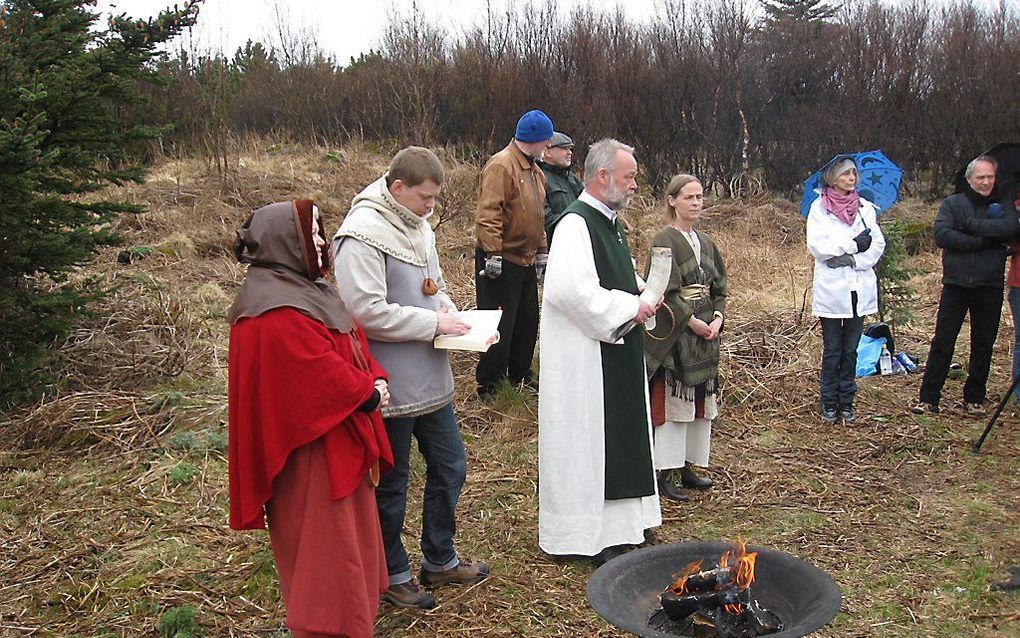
(878, 180)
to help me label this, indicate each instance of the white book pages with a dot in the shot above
(484, 331)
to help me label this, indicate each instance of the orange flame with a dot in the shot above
(744, 562)
(680, 581)
(738, 558)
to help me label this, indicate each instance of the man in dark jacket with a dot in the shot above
(972, 229)
(562, 185)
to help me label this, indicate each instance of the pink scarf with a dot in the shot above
(843, 207)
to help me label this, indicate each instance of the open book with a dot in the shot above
(484, 331)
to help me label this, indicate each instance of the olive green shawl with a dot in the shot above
(671, 346)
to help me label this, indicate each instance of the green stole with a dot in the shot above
(628, 451)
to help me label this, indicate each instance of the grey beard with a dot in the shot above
(617, 198)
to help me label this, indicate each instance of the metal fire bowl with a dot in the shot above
(625, 591)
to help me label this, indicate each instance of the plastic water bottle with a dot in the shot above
(907, 362)
(885, 361)
(897, 367)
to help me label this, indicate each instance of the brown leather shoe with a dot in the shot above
(465, 573)
(408, 594)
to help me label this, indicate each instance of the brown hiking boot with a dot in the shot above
(465, 573)
(407, 594)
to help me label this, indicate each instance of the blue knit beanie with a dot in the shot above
(534, 126)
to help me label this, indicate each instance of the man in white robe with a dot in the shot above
(597, 491)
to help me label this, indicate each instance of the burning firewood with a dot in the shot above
(716, 603)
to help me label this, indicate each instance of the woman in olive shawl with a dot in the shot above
(682, 351)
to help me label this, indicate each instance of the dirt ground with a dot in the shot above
(113, 490)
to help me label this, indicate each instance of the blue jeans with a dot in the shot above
(1014, 308)
(445, 469)
(838, 381)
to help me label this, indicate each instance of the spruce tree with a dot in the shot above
(66, 93)
(807, 10)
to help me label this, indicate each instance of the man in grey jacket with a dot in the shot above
(387, 269)
(972, 229)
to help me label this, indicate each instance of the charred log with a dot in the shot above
(717, 578)
(708, 610)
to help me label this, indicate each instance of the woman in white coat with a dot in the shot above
(844, 237)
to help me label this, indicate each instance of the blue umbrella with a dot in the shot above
(878, 181)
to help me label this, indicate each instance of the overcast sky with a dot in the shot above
(344, 28)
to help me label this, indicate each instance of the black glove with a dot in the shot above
(863, 240)
(840, 260)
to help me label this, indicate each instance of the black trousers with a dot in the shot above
(516, 292)
(985, 307)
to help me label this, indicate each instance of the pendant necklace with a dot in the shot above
(429, 287)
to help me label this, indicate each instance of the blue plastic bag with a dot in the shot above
(869, 349)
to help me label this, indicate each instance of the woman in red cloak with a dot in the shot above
(306, 439)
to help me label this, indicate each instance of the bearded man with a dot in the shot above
(597, 494)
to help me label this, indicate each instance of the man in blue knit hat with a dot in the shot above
(512, 251)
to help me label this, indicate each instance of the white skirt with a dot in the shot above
(677, 443)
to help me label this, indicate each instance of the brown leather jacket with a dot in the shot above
(510, 218)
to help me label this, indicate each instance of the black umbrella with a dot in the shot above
(1008, 175)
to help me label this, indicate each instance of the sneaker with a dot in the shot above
(975, 409)
(465, 573)
(847, 413)
(925, 408)
(829, 413)
(408, 594)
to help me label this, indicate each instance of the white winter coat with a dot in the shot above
(828, 236)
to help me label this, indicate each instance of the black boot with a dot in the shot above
(690, 479)
(669, 488)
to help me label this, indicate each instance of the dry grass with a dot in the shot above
(113, 492)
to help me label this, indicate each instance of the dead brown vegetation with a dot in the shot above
(113, 494)
(715, 87)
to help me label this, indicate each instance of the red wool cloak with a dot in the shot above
(292, 381)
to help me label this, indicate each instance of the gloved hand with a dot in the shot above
(541, 260)
(493, 266)
(995, 211)
(863, 240)
(840, 260)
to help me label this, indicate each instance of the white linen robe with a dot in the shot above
(574, 516)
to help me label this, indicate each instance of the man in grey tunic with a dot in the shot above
(388, 273)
